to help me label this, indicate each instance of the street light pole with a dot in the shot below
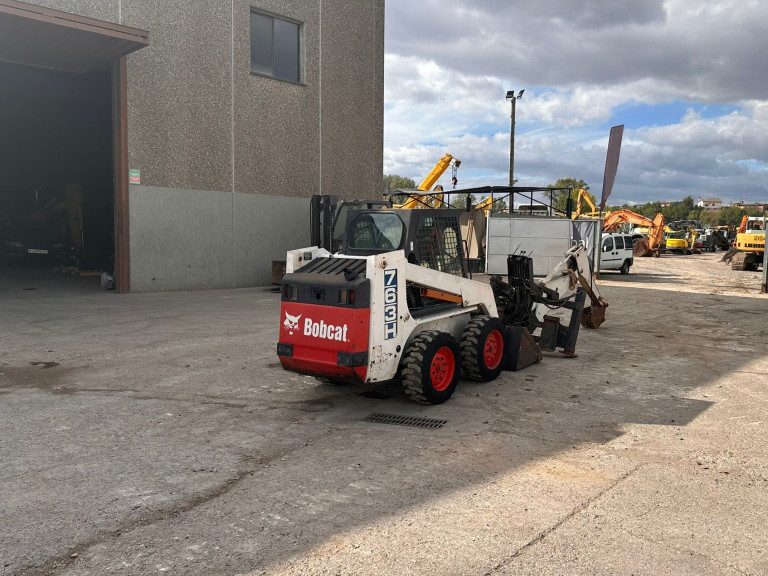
(513, 99)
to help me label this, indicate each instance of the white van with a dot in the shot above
(616, 253)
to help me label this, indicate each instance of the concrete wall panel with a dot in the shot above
(195, 239)
(265, 228)
(180, 239)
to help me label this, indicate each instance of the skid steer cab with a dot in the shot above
(376, 318)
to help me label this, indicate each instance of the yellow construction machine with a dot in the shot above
(434, 199)
(748, 249)
(584, 197)
(485, 205)
(680, 241)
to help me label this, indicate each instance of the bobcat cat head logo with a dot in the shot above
(291, 323)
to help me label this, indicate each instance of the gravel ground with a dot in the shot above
(700, 273)
(157, 434)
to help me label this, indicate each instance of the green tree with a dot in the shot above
(649, 209)
(460, 200)
(730, 215)
(500, 205)
(678, 210)
(560, 197)
(708, 217)
(392, 181)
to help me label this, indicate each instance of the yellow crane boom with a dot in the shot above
(442, 165)
(430, 200)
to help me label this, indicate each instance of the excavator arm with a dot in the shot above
(656, 232)
(743, 226)
(655, 227)
(619, 217)
(583, 196)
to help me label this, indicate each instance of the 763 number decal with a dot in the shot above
(390, 304)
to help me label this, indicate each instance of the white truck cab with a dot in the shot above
(616, 252)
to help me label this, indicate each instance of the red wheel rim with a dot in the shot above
(493, 350)
(442, 369)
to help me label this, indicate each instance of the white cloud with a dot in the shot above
(711, 51)
(449, 65)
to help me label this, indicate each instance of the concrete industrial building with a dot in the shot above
(203, 127)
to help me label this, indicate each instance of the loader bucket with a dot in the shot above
(593, 316)
(520, 348)
(641, 248)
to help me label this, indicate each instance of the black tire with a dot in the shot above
(430, 367)
(624, 267)
(482, 348)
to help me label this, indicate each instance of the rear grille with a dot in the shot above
(399, 420)
(336, 266)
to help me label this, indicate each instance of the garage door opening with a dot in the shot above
(63, 110)
(56, 192)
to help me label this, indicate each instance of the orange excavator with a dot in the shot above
(648, 246)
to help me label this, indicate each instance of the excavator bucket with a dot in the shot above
(641, 248)
(593, 316)
(728, 256)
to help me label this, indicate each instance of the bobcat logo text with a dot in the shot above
(316, 329)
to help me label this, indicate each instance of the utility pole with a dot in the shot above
(513, 99)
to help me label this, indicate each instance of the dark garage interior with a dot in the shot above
(56, 190)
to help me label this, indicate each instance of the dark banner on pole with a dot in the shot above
(611, 162)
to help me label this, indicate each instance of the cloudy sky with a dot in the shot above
(687, 78)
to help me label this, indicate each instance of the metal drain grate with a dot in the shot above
(397, 419)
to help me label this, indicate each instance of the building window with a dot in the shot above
(275, 47)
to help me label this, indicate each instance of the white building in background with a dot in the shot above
(710, 203)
